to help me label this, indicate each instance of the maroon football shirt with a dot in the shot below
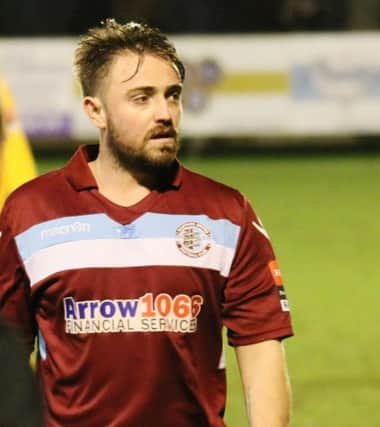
(128, 303)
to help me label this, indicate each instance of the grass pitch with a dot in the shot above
(323, 215)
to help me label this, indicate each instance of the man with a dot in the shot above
(16, 160)
(127, 265)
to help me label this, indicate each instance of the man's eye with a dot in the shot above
(176, 96)
(141, 99)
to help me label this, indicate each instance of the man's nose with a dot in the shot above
(163, 113)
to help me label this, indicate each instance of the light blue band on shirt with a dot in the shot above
(100, 226)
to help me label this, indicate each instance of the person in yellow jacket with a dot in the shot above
(16, 160)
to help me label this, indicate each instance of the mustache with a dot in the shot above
(162, 132)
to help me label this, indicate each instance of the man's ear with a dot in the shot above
(95, 111)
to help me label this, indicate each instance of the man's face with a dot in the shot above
(143, 111)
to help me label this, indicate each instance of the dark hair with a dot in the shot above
(97, 48)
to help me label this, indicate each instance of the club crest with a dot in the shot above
(193, 239)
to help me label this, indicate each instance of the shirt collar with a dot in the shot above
(78, 172)
(79, 175)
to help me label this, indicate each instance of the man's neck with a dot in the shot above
(116, 184)
(127, 187)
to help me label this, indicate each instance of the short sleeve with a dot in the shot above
(15, 299)
(255, 306)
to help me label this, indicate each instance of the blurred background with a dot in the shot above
(282, 100)
(277, 73)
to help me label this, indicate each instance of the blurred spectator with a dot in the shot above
(20, 399)
(16, 161)
(313, 15)
(364, 14)
(43, 17)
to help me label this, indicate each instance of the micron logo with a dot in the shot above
(75, 227)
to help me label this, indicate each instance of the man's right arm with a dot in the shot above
(15, 300)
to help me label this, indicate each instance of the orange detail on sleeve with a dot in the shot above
(276, 272)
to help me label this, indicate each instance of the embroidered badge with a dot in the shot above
(193, 239)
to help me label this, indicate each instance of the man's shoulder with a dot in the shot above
(33, 200)
(39, 187)
(195, 181)
(214, 198)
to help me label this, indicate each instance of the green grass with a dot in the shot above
(323, 214)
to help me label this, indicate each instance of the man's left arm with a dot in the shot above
(257, 317)
(264, 375)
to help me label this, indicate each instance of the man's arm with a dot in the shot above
(265, 381)
(15, 293)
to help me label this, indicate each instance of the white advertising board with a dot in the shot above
(237, 85)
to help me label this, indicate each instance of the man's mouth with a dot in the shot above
(164, 134)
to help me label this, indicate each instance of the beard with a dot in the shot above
(148, 162)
